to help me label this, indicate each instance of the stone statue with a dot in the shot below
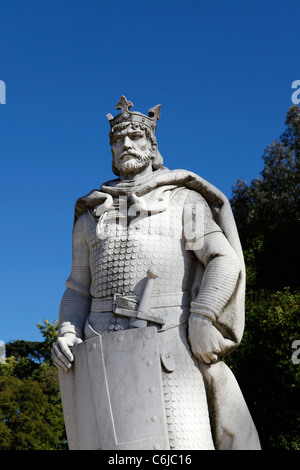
(154, 302)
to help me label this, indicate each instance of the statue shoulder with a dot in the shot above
(83, 225)
(190, 196)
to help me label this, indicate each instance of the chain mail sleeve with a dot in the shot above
(222, 269)
(75, 304)
(219, 260)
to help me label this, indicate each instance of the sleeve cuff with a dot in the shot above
(68, 328)
(204, 310)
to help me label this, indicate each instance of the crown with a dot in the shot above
(134, 116)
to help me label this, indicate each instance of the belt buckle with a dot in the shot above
(123, 302)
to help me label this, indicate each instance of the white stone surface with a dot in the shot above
(153, 251)
(118, 403)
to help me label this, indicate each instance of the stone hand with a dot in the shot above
(205, 339)
(61, 352)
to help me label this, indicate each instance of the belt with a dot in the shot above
(128, 306)
(107, 304)
(119, 304)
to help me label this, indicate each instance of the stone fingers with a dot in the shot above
(59, 359)
(209, 357)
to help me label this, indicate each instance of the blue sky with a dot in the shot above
(222, 71)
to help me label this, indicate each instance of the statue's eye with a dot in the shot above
(136, 136)
(117, 139)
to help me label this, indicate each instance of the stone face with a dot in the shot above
(154, 301)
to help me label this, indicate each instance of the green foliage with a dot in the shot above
(267, 213)
(263, 365)
(268, 210)
(255, 247)
(30, 407)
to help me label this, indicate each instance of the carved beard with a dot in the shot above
(133, 166)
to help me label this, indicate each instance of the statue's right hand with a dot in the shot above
(61, 352)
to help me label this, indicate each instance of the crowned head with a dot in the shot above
(133, 141)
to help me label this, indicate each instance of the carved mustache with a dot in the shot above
(134, 154)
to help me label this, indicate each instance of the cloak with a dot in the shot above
(232, 425)
(152, 192)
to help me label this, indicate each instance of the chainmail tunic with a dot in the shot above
(120, 260)
(120, 251)
(113, 249)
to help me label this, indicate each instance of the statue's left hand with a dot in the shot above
(61, 352)
(206, 340)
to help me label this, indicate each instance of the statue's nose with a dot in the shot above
(127, 143)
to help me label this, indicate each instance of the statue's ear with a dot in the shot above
(154, 148)
(114, 169)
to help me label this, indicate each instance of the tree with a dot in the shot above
(267, 212)
(263, 365)
(30, 406)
